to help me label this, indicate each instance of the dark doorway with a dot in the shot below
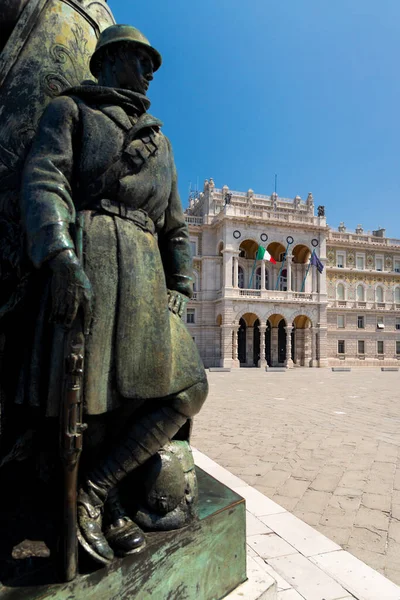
(242, 342)
(256, 343)
(281, 342)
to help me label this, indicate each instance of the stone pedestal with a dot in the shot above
(204, 561)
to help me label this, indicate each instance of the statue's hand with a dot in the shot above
(70, 290)
(176, 302)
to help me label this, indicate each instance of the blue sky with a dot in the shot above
(307, 89)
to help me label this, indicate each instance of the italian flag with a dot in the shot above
(263, 254)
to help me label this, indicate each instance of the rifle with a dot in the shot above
(71, 429)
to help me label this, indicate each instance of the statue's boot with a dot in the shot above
(143, 439)
(90, 501)
(123, 535)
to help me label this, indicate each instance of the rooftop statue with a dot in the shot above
(110, 271)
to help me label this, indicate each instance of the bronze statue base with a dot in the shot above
(203, 561)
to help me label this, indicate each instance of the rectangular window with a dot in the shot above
(340, 321)
(397, 322)
(380, 323)
(360, 263)
(360, 322)
(193, 248)
(340, 260)
(340, 347)
(191, 315)
(398, 347)
(379, 264)
(379, 347)
(397, 266)
(361, 347)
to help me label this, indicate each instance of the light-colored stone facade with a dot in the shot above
(254, 313)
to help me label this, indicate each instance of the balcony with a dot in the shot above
(274, 295)
(352, 304)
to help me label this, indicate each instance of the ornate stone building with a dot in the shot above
(255, 313)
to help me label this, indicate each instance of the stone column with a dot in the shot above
(235, 271)
(235, 348)
(226, 346)
(289, 362)
(227, 269)
(289, 258)
(263, 274)
(262, 363)
(274, 346)
(273, 280)
(314, 279)
(322, 346)
(313, 361)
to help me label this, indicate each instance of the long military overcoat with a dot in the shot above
(95, 146)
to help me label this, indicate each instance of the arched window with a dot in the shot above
(258, 279)
(241, 277)
(360, 293)
(340, 291)
(397, 295)
(283, 281)
(379, 294)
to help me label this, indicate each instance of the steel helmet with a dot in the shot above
(122, 33)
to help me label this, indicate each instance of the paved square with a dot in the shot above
(323, 445)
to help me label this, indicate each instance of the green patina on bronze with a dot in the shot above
(96, 270)
(203, 561)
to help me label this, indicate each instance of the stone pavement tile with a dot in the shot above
(307, 579)
(372, 519)
(346, 503)
(293, 488)
(376, 501)
(313, 501)
(259, 586)
(346, 491)
(353, 479)
(394, 531)
(270, 546)
(359, 579)
(256, 503)
(335, 517)
(362, 537)
(281, 583)
(393, 555)
(396, 483)
(289, 595)
(376, 486)
(287, 503)
(310, 518)
(254, 526)
(375, 560)
(258, 469)
(264, 489)
(340, 535)
(393, 575)
(276, 478)
(384, 470)
(395, 512)
(301, 536)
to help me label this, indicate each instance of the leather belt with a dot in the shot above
(139, 217)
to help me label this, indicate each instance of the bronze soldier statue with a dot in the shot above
(99, 157)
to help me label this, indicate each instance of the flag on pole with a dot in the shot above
(316, 262)
(263, 254)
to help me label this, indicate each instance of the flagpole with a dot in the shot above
(308, 268)
(252, 273)
(283, 264)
